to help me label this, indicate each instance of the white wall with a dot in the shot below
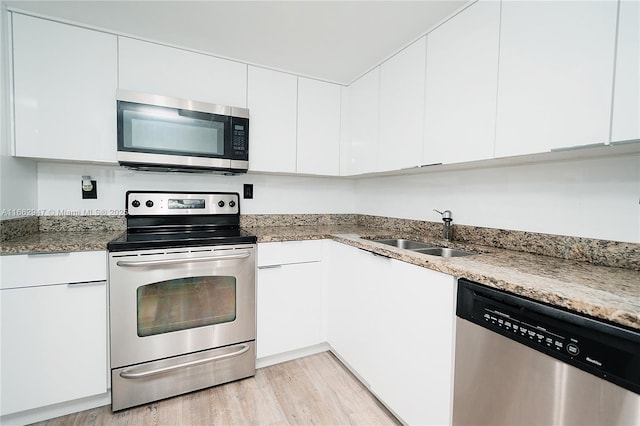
(59, 190)
(597, 198)
(17, 176)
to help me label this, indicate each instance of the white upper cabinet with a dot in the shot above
(318, 150)
(555, 75)
(402, 81)
(64, 81)
(361, 108)
(461, 86)
(161, 70)
(272, 102)
(626, 98)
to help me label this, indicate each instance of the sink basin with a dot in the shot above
(444, 252)
(405, 244)
(424, 248)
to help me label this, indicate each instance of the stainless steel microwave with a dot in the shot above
(160, 133)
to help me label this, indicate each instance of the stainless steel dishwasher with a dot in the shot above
(522, 362)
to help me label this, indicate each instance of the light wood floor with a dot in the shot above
(314, 390)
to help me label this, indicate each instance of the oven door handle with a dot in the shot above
(144, 263)
(139, 373)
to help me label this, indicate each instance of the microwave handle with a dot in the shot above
(145, 263)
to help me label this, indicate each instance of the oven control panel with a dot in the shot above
(150, 203)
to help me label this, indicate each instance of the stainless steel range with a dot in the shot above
(181, 296)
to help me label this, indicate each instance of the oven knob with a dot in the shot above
(135, 203)
(220, 203)
(232, 203)
(149, 203)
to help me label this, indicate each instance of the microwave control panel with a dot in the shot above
(239, 137)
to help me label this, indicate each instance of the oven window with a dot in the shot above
(184, 303)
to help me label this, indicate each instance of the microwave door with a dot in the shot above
(169, 136)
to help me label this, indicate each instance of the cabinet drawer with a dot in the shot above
(26, 270)
(282, 253)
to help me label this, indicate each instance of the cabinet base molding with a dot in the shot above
(291, 355)
(364, 383)
(56, 410)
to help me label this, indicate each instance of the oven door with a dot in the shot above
(177, 301)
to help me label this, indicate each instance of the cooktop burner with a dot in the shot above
(166, 220)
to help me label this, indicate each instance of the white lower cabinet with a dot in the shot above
(289, 296)
(392, 323)
(289, 307)
(53, 341)
(354, 278)
(414, 343)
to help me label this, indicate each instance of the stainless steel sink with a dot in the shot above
(444, 252)
(424, 248)
(404, 244)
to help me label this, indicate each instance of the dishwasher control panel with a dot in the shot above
(598, 347)
(534, 333)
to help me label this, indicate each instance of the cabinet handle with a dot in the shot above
(141, 372)
(58, 253)
(576, 147)
(144, 263)
(86, 283)
(627, 142)
(379, 255)
(270, 267)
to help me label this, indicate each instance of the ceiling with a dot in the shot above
(335, 41)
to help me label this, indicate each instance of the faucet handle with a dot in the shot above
(446, 215)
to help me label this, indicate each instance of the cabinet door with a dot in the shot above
(161, 70)
(414, 354)
(626, 98)
(461, 86)
(353, 306)
(555, 75)
(402, 81)
(289, 307)
(54, 344)
(272, 102)
(64, 82)
(318, 127)
(359, 149)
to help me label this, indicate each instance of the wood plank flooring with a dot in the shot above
(314, 390)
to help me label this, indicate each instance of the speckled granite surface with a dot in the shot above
(603, 292)
(598, 252)
(49, 242)
(82, 223)
(269, 220)
(46, 234)
(506, 259)
(19, 227)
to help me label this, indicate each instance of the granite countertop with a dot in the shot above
(599, 291)
(64, 241)
(603, 292)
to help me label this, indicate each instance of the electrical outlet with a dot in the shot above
(91, 194)
(248, 191)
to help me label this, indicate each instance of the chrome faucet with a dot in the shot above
(447, 226)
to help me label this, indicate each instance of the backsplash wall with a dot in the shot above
(594, 198)
(59, 190)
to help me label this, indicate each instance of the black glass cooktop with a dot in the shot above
(137, 240)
